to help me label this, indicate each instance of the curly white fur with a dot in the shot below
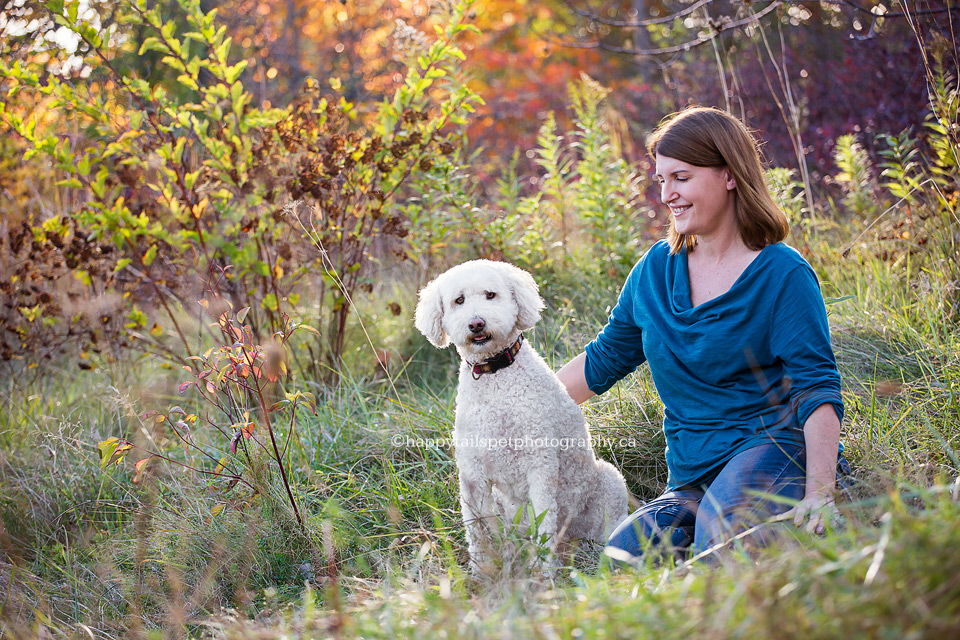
(481, 307)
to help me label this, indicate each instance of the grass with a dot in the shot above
(86, 552)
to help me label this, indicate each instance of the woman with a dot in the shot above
(733, 325)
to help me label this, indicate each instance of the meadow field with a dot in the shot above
(217, 419)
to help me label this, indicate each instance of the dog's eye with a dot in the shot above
(458, 300)
(491, 295)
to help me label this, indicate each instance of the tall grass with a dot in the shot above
(86, 552)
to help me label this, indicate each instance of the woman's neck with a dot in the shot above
(719, 246)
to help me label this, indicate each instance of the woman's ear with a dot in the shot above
(731, 181)
(429, 315)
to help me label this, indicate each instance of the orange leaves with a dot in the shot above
(141, 469)
(244, 431)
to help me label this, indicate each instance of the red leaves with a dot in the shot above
(245, 431)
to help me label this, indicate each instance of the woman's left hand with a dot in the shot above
(817, 510)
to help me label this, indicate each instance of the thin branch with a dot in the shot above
(595, 17)
(717, 28)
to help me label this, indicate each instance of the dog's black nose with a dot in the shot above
(476, 325)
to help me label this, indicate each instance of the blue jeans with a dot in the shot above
(754, 485)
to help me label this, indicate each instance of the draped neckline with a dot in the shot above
(681, 299)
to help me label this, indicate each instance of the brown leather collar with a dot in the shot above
(500, 361)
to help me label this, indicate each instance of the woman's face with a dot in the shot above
(700, 198)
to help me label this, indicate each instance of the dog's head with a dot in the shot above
(480, 306)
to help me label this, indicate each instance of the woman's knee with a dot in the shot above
(665, 522)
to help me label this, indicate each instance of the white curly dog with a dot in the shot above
(519, 439)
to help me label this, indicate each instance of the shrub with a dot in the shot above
(190, 188)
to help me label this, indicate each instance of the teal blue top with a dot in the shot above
(743, 369)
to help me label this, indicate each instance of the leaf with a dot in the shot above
(269, 302)
(247, 430)
(141, 467)
(242, 314)
(149, 256)
(112, 450)
(220, 466)
(307, 327)
(217, 509)
(232, 73)
(235, 440)
(188, 82)
(107, 447)
(153, 44)
(260, 268)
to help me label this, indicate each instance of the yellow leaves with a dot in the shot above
(200, 207)
(112, 450)
(187, 81)
(150, 255)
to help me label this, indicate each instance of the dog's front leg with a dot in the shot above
(476, 506)
(543, 484)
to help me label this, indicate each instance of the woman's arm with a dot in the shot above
(573, 378)
(821, 432)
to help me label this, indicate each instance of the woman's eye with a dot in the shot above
(458, 300)
(491, 295)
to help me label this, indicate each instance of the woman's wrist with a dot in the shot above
(821, 434)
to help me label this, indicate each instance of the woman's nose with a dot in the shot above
(666, 193)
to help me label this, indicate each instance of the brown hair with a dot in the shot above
(707, 137)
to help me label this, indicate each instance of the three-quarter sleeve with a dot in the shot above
(800, 339)
(617, 350)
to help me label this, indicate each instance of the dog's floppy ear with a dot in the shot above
(526, 293)
(429, 316)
